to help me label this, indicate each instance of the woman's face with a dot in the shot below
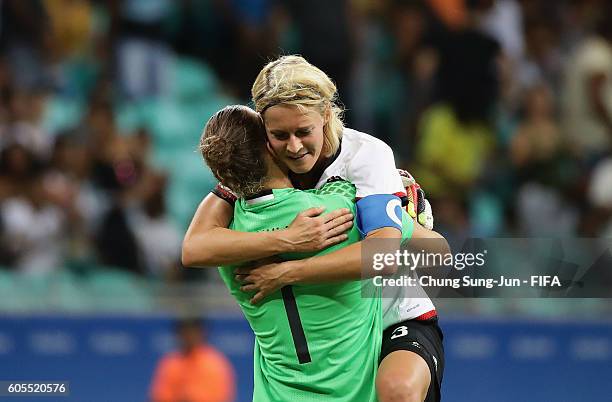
(295, 136)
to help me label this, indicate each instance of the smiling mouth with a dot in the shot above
(296, 158)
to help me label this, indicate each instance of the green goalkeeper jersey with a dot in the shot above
(312, 342)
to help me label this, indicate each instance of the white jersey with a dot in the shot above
(368, 163)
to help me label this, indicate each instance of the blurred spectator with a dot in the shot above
(34, 224)
(504, 22)
(258, 25)
(70, 170)
(452, 13)
(600, 195)
(24, 111)
(116, 172)
(24, 38)
(326, 22)
(456, 137)
(207, 31)
(588, 92)
(468, 74)
(235, 37)
(451, 154)
(537, 138)
(158, 239)
(142, 51)
(116, 242)
(133, 232)
(394, 73)
(70, 23)
(16, 165)
(543, 169)
(600, 192)
(543, 56)
(196, 373)
(113, 165)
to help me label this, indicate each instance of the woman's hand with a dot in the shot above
(265, 279)
(311, 231)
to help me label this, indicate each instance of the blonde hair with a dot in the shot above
(291, 80)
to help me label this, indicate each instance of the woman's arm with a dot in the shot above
(209, 243)
(344, 264)
(341, 265)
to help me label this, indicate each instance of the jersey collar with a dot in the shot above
(261, 196)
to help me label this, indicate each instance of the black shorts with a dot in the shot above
(423, 337)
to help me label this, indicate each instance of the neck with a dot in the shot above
(276, 177)
(278, 182)
(310, 179)
(187, 349)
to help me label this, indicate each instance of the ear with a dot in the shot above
(327, 114)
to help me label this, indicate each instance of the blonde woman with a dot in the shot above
(305, 133)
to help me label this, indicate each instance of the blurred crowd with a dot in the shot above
(502, 109)
(85, 194)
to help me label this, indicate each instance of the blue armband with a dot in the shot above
(379, 211)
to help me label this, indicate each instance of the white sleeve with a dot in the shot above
(596, 58)
(372, 170)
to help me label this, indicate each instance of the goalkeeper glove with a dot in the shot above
(418, 206)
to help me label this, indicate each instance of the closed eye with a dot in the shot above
(283, 135)
(280, 135)
(301, 132)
